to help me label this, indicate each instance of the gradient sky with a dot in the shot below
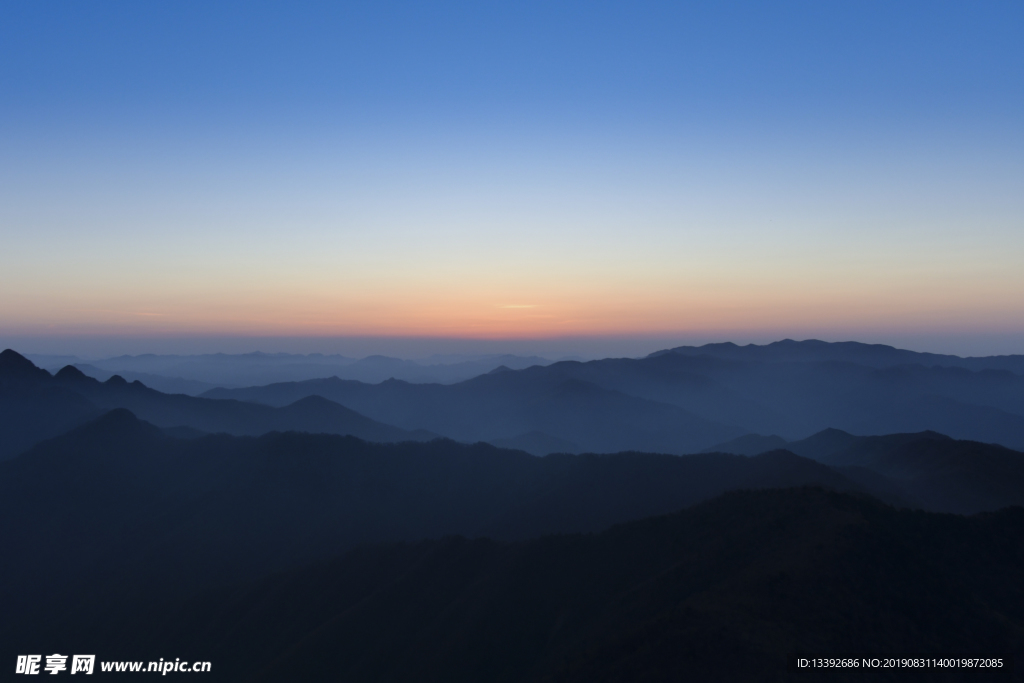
(512, 170)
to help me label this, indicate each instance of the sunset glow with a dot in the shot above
(604, 188)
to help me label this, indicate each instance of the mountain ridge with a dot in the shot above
(35, 405)
(782, 396)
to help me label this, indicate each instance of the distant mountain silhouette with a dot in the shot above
(720, 592)
(35, 405)
(162, 383)
(671, 402)
(870, 355)
(501, 406)
(197, 373)
(790, 389)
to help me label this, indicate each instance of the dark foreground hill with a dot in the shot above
(720, 592)
(118, 500)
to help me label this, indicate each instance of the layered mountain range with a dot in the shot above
(924, 469)
(194, 374)
(683, 399)
(284, 533)
(35, 405)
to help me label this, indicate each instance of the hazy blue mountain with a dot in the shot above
(310, 414)
(790, 389)
(53, 362)
(162, 383)
(234, 370)
(870, 355)
(797, 398)
(375, 369)
(505, 405)
(35, 405)
(223, 369)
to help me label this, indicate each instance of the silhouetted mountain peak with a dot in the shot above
(500, 368)
(14, 366)
(10, 357)
(72, 374)
(117, 381)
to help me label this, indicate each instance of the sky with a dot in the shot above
(573, 177)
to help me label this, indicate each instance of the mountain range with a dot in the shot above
(300, 556)
(593, 418)
(677, 401)
(35, 405)
(194, 374)
(304, 540)
(685, 398)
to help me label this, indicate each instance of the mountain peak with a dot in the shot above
(11, 357)
(70, 372)
(13, 365)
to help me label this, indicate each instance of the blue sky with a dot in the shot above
(499, 171)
